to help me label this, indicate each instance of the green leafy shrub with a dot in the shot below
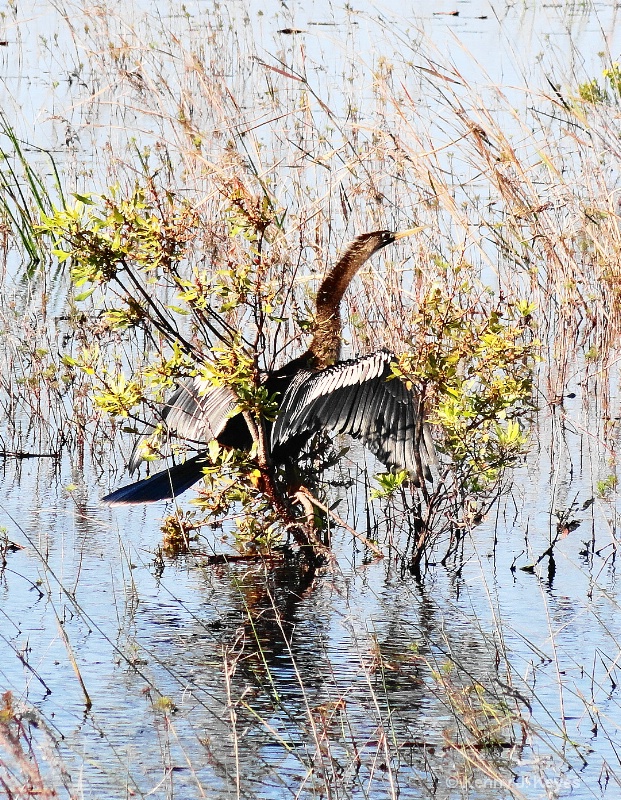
(472, 359)
(471, 356)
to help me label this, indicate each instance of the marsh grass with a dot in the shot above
(524, 200)
(25, 194)
(30, 764)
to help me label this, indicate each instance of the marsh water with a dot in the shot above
(261, 680)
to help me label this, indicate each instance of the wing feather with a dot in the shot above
(353, 421)
(355, 397)
(366, 397)
(196, 412)
(382, 427)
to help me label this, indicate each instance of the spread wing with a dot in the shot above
(196, 412)
(355, 397)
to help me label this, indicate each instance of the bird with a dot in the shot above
(317, 392)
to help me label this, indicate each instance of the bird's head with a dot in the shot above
(366, 244)
(355, 255)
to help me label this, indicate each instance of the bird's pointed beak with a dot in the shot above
(410, 232)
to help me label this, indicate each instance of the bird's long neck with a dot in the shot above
(325, 346)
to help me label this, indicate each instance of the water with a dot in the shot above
(265, 681)
(339, 652)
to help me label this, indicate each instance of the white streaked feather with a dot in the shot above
(197, 411)
(381, 413)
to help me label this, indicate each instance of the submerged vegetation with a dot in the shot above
(431, 653)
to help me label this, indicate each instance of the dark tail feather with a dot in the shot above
(162, 486)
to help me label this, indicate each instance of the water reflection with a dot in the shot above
(300, 678)
(281, 678)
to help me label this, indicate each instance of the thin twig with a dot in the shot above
(303, 494)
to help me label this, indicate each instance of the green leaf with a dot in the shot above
(84, 198)
(83, 295)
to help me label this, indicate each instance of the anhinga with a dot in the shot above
(318, 393)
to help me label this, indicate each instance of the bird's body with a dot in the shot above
(316, 392)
